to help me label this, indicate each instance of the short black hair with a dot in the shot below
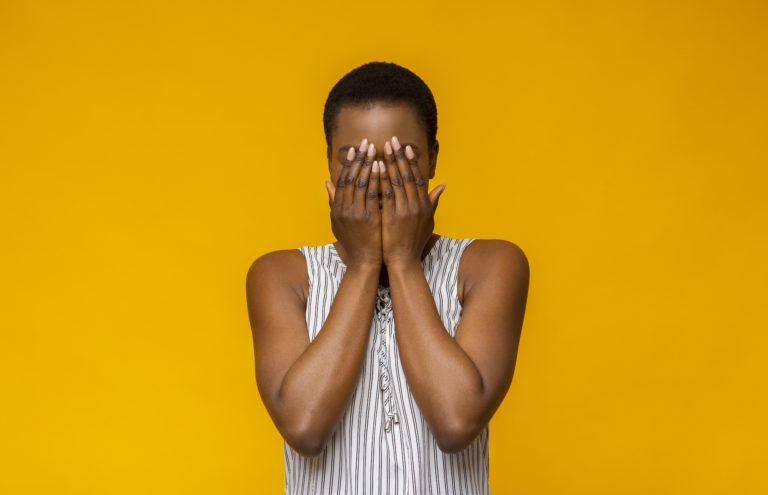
(381, 82)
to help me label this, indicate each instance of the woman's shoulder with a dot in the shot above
(495, 247)
(279, 259)
(282, 266)
(490, 257)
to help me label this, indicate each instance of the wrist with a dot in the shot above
(365, 266)
(395, 267)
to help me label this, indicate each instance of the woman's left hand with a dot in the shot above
(407, 209)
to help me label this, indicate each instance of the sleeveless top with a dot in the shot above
(382, 444)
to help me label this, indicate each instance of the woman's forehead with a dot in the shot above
(377, 122)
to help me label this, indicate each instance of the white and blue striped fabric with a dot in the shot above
(382, 444)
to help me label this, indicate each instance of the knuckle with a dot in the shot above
(397, 181)
(349, 179)
(389, 194)
(371, 195)
(409, 177)
(340, 182)
(362, 183)
(419, 181)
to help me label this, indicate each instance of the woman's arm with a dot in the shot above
(459, 382)
(305, 386)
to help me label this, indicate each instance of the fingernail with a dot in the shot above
(388, 148)
(375, 167)
(409, 152)
(364, 144)
(371, 150)
(350, 153)
(395, 143)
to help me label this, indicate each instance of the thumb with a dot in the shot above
(331, 192)
(434, 196)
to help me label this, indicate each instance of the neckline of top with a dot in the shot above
(432, 251)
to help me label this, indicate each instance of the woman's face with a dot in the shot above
(378, 123)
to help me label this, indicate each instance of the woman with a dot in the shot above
(382, 357)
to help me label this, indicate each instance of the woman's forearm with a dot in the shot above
(316, 388)
(445, 382)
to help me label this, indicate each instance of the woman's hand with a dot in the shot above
(355, 214)
(408, 211)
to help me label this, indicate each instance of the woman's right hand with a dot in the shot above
(355, 213)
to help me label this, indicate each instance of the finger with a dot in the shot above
(434, 196)
(361, 183)
(345, 167)
(331, 192)
(372, 194)
(354, 168)
(387, 193)
(395, 180)
(418, 181)
(338, 188)
(405, 171)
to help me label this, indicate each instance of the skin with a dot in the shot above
(382, 214)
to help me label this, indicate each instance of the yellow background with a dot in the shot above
(150, 151)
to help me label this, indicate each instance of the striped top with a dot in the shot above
(382, 444)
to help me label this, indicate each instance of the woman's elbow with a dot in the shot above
(455, 437)
(305, 441)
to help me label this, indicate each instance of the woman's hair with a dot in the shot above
(381, 82)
